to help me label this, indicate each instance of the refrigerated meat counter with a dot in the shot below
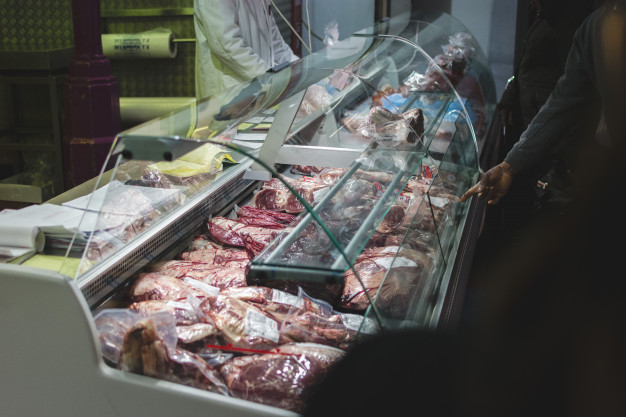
(233, 250)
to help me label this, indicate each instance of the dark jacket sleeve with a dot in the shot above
(568, 104)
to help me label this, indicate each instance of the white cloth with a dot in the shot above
(236, 40)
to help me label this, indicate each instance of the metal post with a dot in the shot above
(92, 107)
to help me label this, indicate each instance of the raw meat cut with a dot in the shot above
(392, 282)
(196, 334)
(391, 129)
(181, 311)
(151, 286)
(251, 211)
(231, 232)
(280, 380)
(394, 217)
(227, 257)
(203, 242)
(278, 303)
(224, 230)
(329, 176)
(145, 353)
(316, 328)
(255, 239)
(231, 275)
(240, 324)
(252, 216)
(271, 199)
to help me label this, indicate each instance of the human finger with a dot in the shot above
(477, 188)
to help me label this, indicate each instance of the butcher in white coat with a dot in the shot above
(236, 40)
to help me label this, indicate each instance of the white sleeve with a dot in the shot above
(217, 19)
(282, 51)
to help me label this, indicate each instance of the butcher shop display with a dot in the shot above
(201, 320)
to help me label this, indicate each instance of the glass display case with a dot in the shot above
(332, 182)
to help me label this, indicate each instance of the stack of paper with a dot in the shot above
(24, 231)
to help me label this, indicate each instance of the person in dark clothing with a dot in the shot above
(551, 337)
(588, 94)
(541, 64)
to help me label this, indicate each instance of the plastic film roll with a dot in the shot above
(152, 44)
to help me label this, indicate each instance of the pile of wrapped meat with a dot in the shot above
(199, 321)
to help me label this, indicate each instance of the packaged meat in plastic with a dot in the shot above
(240, 324)
(113, 323)
(315, 328)
(253, 216)
(145, 353)
(460, 42)
(208, 278)
(391, 129)
(315, 98)
(282, 380)
(278, 303)
(182, 311)
(204, 242)
(225, 257)
(390, 275)
(195, 336)
(353, 120)
(152, 286)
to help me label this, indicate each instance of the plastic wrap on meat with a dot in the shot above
(224, 230)
(189, 330)
(271, 199)
(327, 356)
(279, 303)
(111, 327)
(354, 189)
(227, 257)
(251, 211)
(392, 294)
(240, 324)
(306, 169)
(392, 129)
(329, 176)
(219, 277)
(252, 216)
(182, 312)
(375, 176)
(315, 328)
(151, 286)
(113, 323)
(275, 196)
(204, 242)
(394, 217)
(279, 380)
(195, 336)
(255, 239)
(145, 353)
